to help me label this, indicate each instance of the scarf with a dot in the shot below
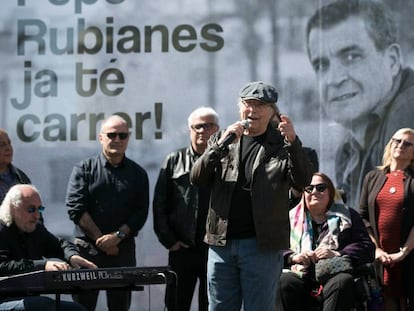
(301, 232)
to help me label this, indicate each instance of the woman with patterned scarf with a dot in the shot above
(322, 226)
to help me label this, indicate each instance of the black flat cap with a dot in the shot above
(260, 91)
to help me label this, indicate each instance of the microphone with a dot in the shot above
(231, 137)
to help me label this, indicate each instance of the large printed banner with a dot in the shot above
(68, 64)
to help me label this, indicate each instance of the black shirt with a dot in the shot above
(113, 196)
(241, 219)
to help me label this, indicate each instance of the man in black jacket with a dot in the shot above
(27, 246)
(180, 211)
(250, 169)
(108, 199)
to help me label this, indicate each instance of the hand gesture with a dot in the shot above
(286, 128)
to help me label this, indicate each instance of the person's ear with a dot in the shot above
(100, 138)
(393, 52)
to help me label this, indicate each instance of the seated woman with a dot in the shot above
(322, 226)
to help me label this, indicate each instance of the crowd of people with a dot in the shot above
(243, 211)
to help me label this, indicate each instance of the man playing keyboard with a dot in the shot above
(26, 245)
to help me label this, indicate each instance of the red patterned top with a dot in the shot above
(389, 203)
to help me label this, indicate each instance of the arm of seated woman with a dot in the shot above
(305, 258)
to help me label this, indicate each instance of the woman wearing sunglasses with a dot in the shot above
(322, 226)
(387, 207)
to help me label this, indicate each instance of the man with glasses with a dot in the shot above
(180, 211)
(250, 167)
(108, 199)
(27, 246)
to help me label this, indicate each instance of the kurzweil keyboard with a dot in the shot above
(85, 279)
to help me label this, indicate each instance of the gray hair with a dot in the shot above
(13, 199)
(202, 112)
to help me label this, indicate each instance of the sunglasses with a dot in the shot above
(319, 188)
(32, 209)
(405, 144)
(205, 126)
(122, 136)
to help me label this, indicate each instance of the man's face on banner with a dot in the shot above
(353, 75)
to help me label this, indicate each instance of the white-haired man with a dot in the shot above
(26, 246)
(180, 211)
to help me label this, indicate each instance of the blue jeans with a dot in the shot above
(239, 273)
(35, 303)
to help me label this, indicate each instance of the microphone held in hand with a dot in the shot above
(232, 136)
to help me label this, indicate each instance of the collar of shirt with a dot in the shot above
(108, 164)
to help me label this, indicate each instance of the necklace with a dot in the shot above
(397, 174)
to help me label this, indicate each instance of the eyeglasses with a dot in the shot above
(32, 209)
(256, 104)
(205, 126)
(122, 136)
(319, 187)
(405, 144)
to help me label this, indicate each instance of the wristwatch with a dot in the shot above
(120, 234)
